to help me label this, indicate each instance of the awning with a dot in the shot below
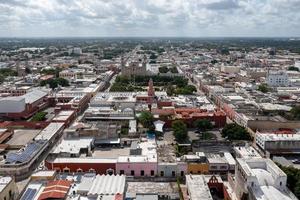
(159, 125)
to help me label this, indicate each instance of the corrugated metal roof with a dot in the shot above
(107, 185)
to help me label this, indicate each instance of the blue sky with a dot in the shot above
(177, 18)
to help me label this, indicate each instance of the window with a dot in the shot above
(280, 183)
(57, 170)
(214, 167)
(152, 172)
(173, 173)
(66, 170)
(110, 171)
(162, 173)
(223, 167)
(142, 173)
(121, 172)
(132, 172)
(182, 173)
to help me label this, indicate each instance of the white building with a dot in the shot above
(246, 152)
(260, 179)
(278, 142)
(297, 64)
(197, 187)
(77, 51)
(277, 78)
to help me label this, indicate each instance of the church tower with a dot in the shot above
(151, 94)
(151, 91)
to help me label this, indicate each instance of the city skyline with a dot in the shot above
(132, 18)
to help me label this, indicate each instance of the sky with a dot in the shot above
(149, 18)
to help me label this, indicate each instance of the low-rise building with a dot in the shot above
(8, 188)
(259, 178)
(278, 141)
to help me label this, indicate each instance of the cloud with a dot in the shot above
(223, 5)
(26, 18)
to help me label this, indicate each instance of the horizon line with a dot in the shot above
(149, 37)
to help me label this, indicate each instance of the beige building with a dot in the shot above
(8, 188)
(134, 68)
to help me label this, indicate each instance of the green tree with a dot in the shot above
(179, 130)
(235, 132)
(50, 71)
(170, 89)
(39, 116)
(163, 69)
(295, 111)
(2, 78)
(203, 124)
(62, 82)
(146, 119)
(53, 83)
(28, 70)
(153, 56)
(293, 179)
(263, 88)
(174, 70)
(292, 68)
(207, 136)
(297, 188)
(8, 72)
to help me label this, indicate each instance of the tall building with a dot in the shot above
(277, 78)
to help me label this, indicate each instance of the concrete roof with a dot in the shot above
(197, 187)
(4, 181)
(48, 132)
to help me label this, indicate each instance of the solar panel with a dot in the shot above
(63, 177)
(28, 152)
(79, 177)
(29, 194)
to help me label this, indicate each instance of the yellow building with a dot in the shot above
(197, 168)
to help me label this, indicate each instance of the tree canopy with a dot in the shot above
(235, 132)
(293, 179)
(53, 83)
(263, 88)
(292, 68)
(39, 116)
(163, 69)
(203, 124)
(146, 119)
(179, 130)
(295, 111)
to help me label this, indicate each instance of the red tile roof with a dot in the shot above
(55, 190)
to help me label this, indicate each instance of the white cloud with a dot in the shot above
(149, 18)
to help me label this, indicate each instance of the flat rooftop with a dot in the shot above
(246, 152)
(152, 187)
(197, 187)
(110, 152)
(23, 136)
(278, 137)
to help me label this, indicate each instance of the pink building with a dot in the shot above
(142, 160)
(136, 166)
(181, 168)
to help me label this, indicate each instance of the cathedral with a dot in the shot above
(135, 68)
